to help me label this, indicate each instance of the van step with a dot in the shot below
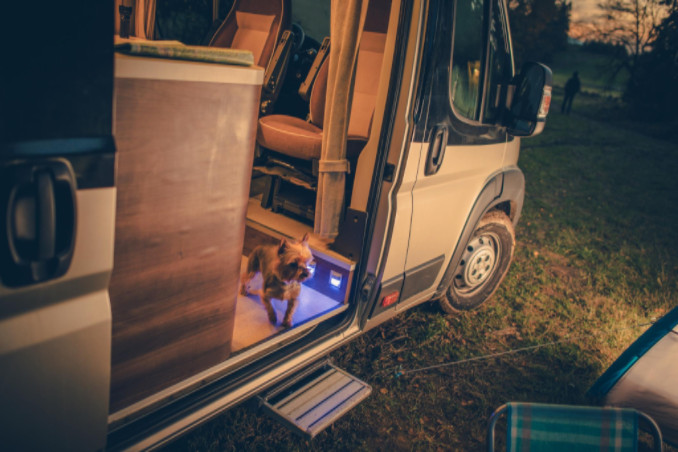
(312, 400)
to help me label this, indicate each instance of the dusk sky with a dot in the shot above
(582, 11)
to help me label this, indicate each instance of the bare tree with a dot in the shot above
(539, 28)
(630, 24)
(652, 92)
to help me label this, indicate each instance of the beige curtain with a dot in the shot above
(347, 19)
(142, 22)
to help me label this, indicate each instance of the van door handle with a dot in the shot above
(436, 150)
(46, 216)
(37, 234)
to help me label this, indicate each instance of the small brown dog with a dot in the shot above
(283, 267)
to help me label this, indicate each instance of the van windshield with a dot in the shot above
(313, 16)
(189, 21)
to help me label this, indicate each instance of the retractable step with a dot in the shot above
(313, 400)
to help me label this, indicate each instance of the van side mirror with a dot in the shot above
(531, 100)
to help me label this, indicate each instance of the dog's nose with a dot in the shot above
(304, 273)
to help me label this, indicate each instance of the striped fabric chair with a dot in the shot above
(537, 427)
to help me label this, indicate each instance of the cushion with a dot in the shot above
(297, 138)
(290, 136)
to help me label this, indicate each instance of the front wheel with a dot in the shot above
(483, 265)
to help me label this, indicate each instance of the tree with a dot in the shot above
(604, 48)
(632, 24)
(539, 28)
(647, 31)
(652, 91)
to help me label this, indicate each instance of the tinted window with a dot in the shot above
(468, 54)
(466, 57)
(499, 65)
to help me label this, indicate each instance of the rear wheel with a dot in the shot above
(483, 265)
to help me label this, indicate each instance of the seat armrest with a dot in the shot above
(275, 72)
(307, 85)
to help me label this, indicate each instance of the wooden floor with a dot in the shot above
(251, 321)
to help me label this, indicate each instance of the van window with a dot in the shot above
(499, 64)
(466, 81)
(467, 52)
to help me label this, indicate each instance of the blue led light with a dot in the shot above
(335, 279)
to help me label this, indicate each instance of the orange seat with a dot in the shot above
(293, 136)
(302, 139)
(290, 136)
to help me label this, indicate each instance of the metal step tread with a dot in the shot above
(316, 398)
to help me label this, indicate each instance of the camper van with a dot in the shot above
(373, 155)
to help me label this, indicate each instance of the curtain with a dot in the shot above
(142, 22)
(347, 20)
(145, 19)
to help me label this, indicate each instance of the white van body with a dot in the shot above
(86, 361)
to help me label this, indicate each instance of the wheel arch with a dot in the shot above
(505, 191)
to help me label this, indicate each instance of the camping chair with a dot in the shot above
(539, 427)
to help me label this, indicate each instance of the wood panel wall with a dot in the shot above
(183, 170)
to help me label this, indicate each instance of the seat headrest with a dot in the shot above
(257, 13)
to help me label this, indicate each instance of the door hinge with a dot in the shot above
(368, 285)
(389, 172)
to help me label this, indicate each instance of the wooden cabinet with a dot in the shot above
(185, 135)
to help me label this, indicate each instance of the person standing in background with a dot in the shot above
(572, 87)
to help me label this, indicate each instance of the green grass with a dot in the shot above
(596, 257)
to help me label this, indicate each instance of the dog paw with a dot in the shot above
(272, 318)
(287, 323)
(243, 290)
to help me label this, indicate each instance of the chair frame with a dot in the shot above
(653, 427)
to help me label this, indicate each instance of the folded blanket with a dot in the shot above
(177, 50)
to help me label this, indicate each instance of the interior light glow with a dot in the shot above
(335, 279)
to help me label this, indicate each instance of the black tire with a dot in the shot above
(483, 265)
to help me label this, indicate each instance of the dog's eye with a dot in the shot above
(294, 265)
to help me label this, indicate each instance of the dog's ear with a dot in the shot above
(304, 239)
(283, 246)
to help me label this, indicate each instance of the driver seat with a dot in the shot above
(254, 25)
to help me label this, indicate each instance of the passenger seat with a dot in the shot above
(302, 139)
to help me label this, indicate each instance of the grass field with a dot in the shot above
(597, 257)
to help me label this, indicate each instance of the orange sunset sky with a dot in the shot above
(582, 11)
